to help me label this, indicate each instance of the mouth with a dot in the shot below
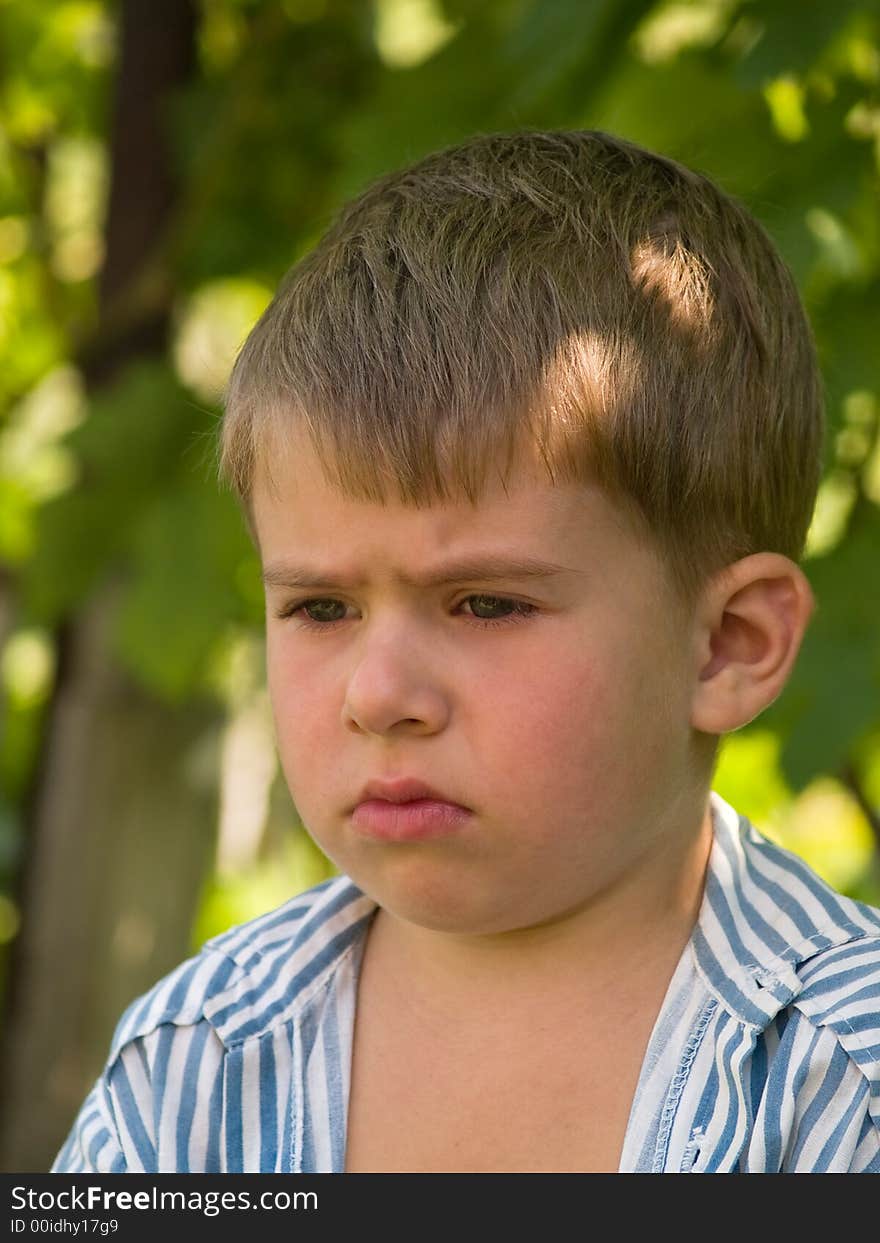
(402, 790)
(415, 820)
(406, 809)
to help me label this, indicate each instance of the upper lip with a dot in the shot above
(403, 790)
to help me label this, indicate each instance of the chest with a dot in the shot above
(518, 1101)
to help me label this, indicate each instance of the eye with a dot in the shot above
(517, 609)
(321, 607)
(325, 613)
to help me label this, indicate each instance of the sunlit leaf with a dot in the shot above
(186, 551)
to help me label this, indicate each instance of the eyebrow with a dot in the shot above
(487, 568)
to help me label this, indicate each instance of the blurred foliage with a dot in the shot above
(295, 104)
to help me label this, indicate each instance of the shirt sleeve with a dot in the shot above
(157, 1108)
(92, 1146)
(866, 1158)
(817, 1114)
(114, 1130)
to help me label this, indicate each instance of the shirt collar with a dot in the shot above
(763, 913)
(292, 962)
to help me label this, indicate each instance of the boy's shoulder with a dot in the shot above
(255, 974)
(773, 933)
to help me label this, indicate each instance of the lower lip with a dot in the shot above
(417, 821)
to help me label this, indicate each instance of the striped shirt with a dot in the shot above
(764, 1057)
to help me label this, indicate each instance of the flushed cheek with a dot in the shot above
(553, 734)
(584, 735)
(305, 730)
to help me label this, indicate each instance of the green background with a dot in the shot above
(161, 166)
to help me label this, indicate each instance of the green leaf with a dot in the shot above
(138, 436)
(792, 36)
(832, 697)
(183, 594)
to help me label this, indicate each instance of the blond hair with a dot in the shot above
(616, 308)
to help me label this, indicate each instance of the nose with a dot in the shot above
(392, 688)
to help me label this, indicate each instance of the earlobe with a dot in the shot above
(751, 623)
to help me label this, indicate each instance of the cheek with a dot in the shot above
(575, 729)
(301, 715)
(548, 721)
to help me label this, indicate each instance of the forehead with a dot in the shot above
(297, 512)
(312, 536)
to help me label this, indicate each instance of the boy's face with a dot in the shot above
(563, 728)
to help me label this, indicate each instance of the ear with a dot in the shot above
(750, 621)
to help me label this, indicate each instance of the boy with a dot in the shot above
(529, 446)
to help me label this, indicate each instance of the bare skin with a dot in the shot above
(517, 965)
(524, 1061)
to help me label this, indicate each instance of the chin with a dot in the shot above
(451, 910)
(443, 895)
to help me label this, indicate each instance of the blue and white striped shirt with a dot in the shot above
(764, 1058)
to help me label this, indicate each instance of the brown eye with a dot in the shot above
(490, 603)
(319, 610)
(314, 613)
(513, 610)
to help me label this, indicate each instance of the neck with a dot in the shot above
(626, 935)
